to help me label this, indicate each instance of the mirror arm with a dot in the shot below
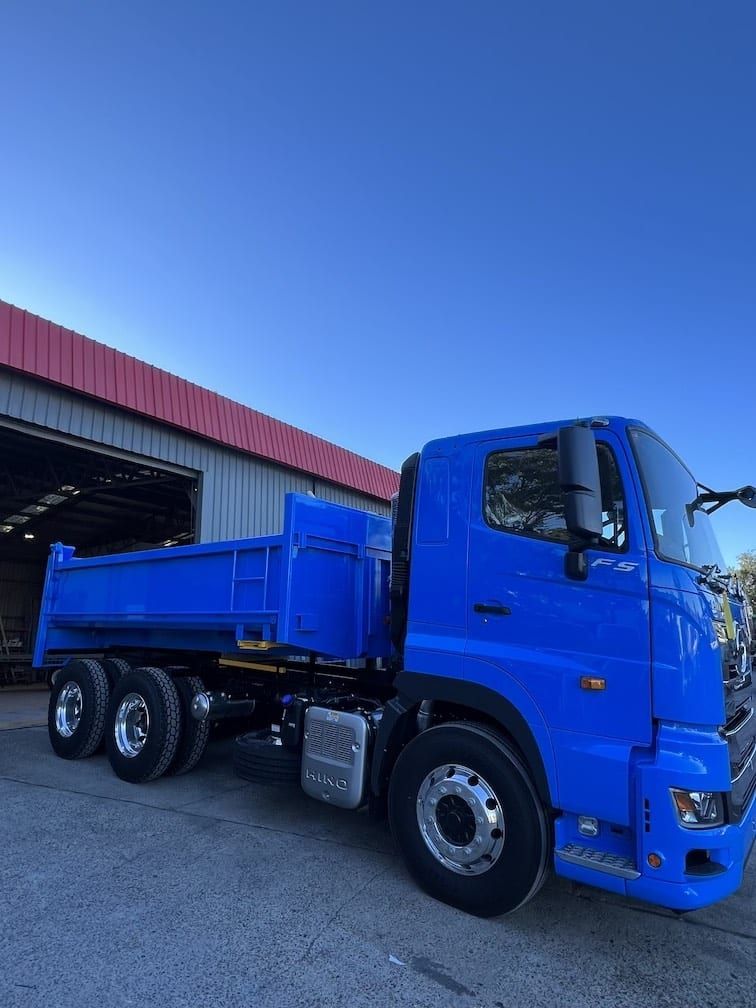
(714, 499)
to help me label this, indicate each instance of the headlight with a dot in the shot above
(698, 809)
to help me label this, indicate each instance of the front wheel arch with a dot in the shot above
(454, 700)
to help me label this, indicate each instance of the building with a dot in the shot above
(106, 453)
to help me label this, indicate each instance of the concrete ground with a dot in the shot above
(206, 891)
(23, 707)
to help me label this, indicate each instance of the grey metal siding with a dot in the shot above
(351, 498)
(240, 495)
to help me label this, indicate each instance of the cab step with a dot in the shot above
(603, 861)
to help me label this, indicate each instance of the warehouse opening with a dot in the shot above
(60, 491)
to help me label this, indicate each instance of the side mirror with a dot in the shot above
(747, 496)
(580, 481)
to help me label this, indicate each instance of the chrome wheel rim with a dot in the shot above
(461, 819)
(132, 725)
(68, 709)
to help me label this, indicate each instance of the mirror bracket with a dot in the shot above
(576, 564)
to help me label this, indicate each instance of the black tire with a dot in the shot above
(519, 866)
(194, 734)
(158, 697)
(114, 669)
(77, 735)
(249, 770)
(258, 758)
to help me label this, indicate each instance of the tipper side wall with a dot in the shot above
(320, 587)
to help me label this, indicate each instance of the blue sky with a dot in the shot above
(387, 222)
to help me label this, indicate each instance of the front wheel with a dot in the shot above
(468, 820)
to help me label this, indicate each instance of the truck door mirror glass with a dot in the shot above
(747, 496)
(580, 481)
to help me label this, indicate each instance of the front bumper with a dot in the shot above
(698, 866)
(728, 847)
(695, 867)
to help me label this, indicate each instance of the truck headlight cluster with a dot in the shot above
(698, 809)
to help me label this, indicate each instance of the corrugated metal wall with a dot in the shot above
(240, 495)
(44, 350)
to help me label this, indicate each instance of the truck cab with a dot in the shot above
(616, 660)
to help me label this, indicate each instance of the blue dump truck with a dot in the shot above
(538, 663)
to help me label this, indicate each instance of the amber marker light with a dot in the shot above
(592, 683)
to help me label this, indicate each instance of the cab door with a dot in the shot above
(528, 621)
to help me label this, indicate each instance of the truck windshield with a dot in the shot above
(669, 487)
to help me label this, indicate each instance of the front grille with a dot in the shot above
(739, 720)
(737, 695)
(332, 741)
(748, 794)
(740, 734)
(744, 763)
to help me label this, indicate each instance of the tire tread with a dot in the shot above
(186, 761)
(96, 693)
(101, 689)
(172, 719)
(255, 759)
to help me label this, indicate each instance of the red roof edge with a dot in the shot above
(33, 346)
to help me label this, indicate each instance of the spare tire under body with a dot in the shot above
(260, 757)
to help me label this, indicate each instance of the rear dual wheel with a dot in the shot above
(77, 710)
(114, 669)
(143, 716)
(194, 734)
(150, 727)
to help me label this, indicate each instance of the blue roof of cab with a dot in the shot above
(614, 423)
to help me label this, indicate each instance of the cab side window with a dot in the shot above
(522, 495)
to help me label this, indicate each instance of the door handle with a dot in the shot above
(493, 608)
